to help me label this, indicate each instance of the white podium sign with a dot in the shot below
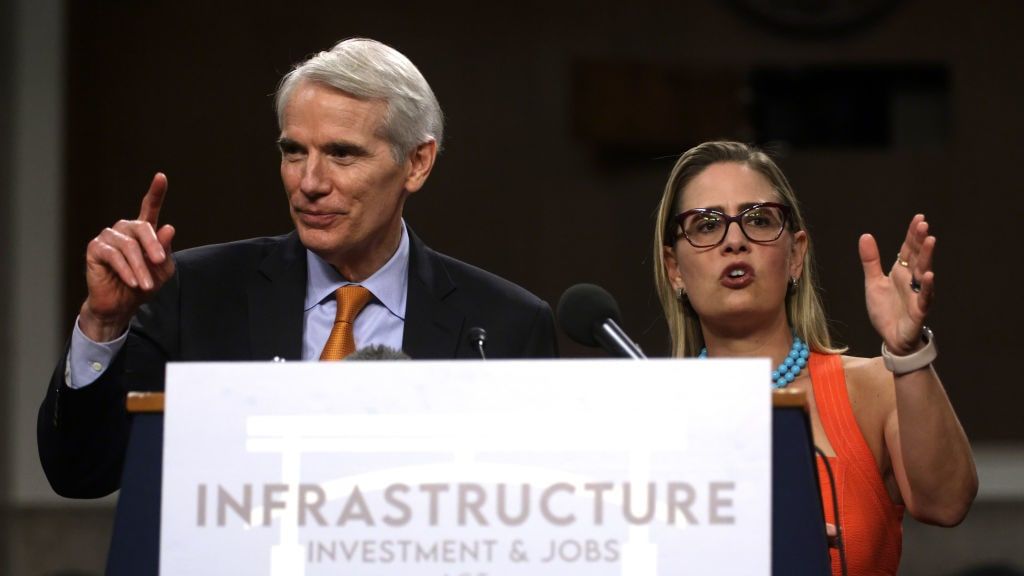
(491, 468)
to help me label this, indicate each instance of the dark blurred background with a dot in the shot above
(563, 121)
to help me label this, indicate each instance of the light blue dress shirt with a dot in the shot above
(382, 321)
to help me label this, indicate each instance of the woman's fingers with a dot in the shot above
(869, 257)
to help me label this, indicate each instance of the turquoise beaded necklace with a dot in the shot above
(790, 367)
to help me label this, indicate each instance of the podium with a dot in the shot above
(799, 544)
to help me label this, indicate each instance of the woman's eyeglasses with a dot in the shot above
(705, 228)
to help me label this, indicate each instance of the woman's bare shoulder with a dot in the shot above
(868, 381)
(866, 368)
(873, 399)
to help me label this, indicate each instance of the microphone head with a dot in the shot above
(582, 309)
(378, 352)
(476, 335)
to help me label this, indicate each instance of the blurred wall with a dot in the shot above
(538, 191)
(6, 145)
(531, 185)
(37, 324)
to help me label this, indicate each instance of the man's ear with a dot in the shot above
(421, 162)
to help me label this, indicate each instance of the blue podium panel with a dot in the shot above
(135, 544)
(799, 542)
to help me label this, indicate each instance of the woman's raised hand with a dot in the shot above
(898, 302)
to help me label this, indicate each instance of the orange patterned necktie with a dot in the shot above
(351, 300)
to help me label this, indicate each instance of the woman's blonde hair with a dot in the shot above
(803, 304)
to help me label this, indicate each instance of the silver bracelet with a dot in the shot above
(900, 365)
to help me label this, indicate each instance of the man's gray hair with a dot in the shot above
(370, 70)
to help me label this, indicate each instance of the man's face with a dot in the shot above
(345, 190)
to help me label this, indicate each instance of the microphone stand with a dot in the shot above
(614, 339)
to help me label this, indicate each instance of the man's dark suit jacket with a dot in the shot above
(244, 301)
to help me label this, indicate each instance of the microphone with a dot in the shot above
(590, 316)
(378, 352)
(477, 337)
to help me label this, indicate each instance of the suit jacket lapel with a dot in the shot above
(277, 292)
(432, 328)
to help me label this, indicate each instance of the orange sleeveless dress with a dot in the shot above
(872, 525)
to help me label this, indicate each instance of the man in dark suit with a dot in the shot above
(360, 130)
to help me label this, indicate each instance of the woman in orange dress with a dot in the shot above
(886, 425)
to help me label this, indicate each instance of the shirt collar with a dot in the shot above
(388, 284)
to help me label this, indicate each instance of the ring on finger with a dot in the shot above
(901, 261)
(914, 284)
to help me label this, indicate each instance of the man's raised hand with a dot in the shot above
(124, 265)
